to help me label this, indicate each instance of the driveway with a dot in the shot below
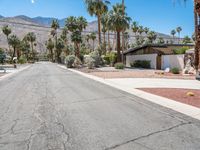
(48, 108)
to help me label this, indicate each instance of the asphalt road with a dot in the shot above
(48, 108)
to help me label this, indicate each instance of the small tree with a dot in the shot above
(50, 47)
(31, 37)
(7, 31)
(14, 41)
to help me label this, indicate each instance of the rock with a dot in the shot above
(167, 70)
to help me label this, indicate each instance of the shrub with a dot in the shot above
(119, 66)
(70, 61)
(90, 62)
(141, 64)
(175, 71)
(106, 58)
(22, 60)
(2, 56)
(77, 63)
(97, 58)
(180, 50)
(112, 57)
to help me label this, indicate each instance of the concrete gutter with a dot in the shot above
(188, 110)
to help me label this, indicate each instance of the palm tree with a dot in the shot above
(173, 32)
(50, 47)
(104, 22)
(178, 30)
(14, 41)
(7, 31)
(140, 30)
(31, 37)
(146, 30)
(76, 26)
(135, 27)
(55, 26)
(120, 23)
(60, 45)
(25, 47)
(93, 38)
(97, 8)
(151, 36)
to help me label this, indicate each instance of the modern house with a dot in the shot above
(160, 56)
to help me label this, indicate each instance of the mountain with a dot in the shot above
(21, 25)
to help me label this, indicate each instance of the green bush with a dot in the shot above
(175, 71)
(112, 57)
(106, 58)
(141, 64)
(119, 66)
(77, 63)
(2, 56)
(70, 61)
(90, 62)
(22, 60)
(180, 50)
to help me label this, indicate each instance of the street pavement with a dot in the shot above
(49, 108)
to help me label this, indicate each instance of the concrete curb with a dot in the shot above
(188, 110)
(13, 73)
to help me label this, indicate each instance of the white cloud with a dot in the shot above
(32, 1)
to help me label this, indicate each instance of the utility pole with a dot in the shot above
(197, 33)
(123, 42)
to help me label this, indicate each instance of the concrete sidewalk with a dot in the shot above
(130, 85)
(11, 71)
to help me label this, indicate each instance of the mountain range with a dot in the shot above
(22, 24)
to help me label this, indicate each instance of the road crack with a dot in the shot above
(148, 135)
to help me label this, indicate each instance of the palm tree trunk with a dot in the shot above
(118, 47)
(197, 40)
(14, 52)
(9, 46)
(99, 28)
(77, 50)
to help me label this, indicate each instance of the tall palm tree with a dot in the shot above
(76, 26)
(178, 30)
(7, 31)
(120, 23)
(173, 32)
(14, 41)
(31, 37)
(97, 8)
(50, 47)
(55, 26)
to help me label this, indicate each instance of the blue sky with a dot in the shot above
(160, 15)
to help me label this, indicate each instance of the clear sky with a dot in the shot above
(160, 15)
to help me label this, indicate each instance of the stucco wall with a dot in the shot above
(172, 61)
(148, 57)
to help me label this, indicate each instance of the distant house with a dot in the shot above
(160, 56)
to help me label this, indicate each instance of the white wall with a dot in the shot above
(148, 57)
(172, 61)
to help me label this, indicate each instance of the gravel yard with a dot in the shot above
(179, 95)
(109, 73)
